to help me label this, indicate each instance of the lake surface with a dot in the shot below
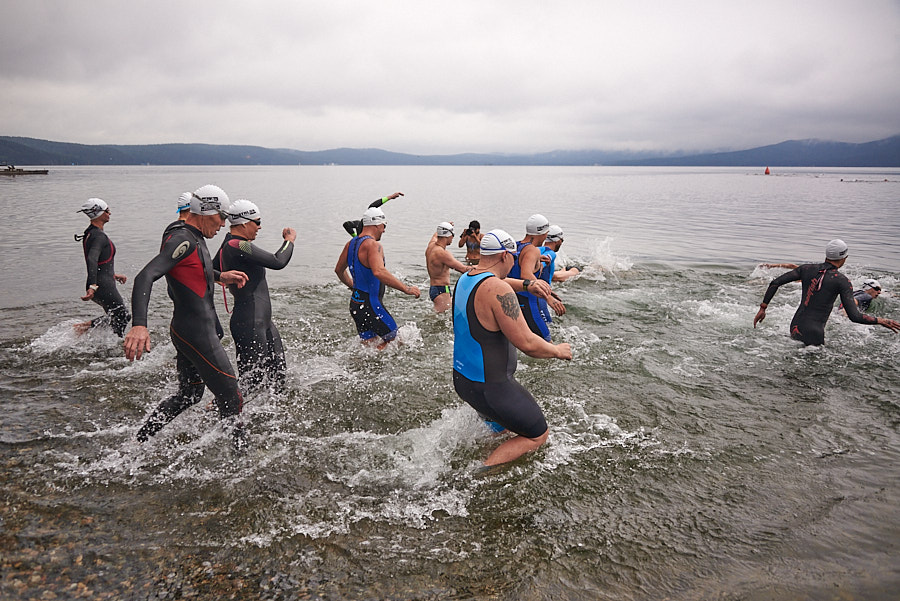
(691, 456)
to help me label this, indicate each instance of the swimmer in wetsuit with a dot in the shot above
(354, 227)
(361, 268)
(99, 255)
(471, 239)
(822, 283)
(549, 273)
(260, 352)
(195, 329)
(526, 267)
(488, 327)
(438, 262)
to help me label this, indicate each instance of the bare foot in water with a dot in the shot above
(81, 328)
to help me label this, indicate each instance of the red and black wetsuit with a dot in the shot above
(99, 255)
(260, 352)
(822, 284)
(195, 328)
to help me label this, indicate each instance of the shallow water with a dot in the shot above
(691, 456)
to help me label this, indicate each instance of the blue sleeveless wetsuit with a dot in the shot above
(370, 316)
(528, 302)
(484, 366)
(546, 274)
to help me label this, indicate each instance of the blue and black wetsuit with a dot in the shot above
(822, 283)
(195, 328)
(546, 274)
(484, 367)
(99, 255)
(260, 352)
(370, 316)
(528, 302)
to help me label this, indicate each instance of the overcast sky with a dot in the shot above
(453, 76)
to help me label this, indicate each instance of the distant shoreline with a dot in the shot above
(792, 153)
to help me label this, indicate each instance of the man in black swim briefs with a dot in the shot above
(99, 256)
(195, 329)
(821, 283)
(260, 352)
(488, 327)
(438, 262)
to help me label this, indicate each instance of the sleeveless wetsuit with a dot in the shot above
(260, 352)
(195, 328)
(484, 366)
(528, 302)
(99, 255)
(822, 283)
(546, 274)
(370, 316)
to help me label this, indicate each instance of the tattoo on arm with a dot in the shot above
(510, 305)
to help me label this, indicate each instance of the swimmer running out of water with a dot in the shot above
(99, 256)
(821, 284)
(195, 329)
(488, 327)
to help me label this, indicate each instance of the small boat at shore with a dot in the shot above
(13, 170)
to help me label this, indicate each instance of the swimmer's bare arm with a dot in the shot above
(497, 307)
(341, 270)
(539, 288)
(447, 258)
(371, 254)
(564, 274)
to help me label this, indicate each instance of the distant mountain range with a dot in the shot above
(792, 153)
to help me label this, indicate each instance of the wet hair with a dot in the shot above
(474, 225)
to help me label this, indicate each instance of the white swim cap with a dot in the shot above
(373, 216)
(555, 233)
(536, 225)
(242, 211)
(184, 202)
(836, 250)
(209, 200)
(870, 283)
(498, 241)
(93, 208)
(445, 229)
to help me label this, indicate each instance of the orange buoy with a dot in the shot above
(767, 171)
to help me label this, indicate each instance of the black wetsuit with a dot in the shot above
(195, 328)
(822, 284)
(260, 353)
(99, 255)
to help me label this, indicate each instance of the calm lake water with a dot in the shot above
(691, 456)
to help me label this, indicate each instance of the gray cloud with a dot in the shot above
(432, 78)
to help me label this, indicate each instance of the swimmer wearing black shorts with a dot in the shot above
(488, 327)
(361, 268)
